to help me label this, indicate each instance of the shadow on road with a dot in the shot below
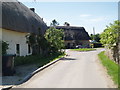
(67, 59)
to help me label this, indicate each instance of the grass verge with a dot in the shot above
(37, 59)
(111, 66)
(84, 49)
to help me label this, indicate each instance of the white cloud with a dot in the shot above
(99, 19)
(85, 15)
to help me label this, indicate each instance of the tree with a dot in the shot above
(55, 38)
(37, 42)
(54, 23)
(32, 41)
(66, 24)
(110, 35)
(110, 39)
(95, 37)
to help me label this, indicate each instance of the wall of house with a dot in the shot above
(84, 42)
(70, 43)
(73, 43)
(13, 38)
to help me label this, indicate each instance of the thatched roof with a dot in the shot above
(17, 17)
(74, 33)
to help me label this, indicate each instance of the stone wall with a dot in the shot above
(114, 53)
(109, 53)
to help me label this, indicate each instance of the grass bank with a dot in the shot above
(37, 59)
(84, 49)
(111, 66)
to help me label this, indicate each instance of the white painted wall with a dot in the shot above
(13, 38)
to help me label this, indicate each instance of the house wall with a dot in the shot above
(71, 43)
(78, 42)
(84, 42)
(13, 38)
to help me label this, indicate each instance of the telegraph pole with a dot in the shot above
(93, 33)
(92, 45)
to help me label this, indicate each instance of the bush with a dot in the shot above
(21, 60)
(4, 47)
(36, 59)
(55, 38)
(110, 35)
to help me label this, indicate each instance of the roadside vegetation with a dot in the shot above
(37, 59)
(111, 66)
(84, 49)
(4, 47)
(110, 38)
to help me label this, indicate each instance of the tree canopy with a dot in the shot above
(110, 35)
(54, 23)
(66, 24)
(55, 38)
(95, 37)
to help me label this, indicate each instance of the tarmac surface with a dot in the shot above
(77, 70)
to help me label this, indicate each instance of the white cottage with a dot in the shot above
(17, 22)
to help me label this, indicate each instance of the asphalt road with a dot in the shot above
(77, 70)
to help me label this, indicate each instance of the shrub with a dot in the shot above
(4, 47)
(36, 59)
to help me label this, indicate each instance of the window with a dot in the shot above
(29, 49)
(18, 49)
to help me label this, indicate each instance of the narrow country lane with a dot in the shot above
(77, 70)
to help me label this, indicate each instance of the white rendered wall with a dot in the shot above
(13, 38)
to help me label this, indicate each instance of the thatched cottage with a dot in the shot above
(75, 36)
(17, 22)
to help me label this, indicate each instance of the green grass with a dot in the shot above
(84, 49)
(111, 66)
(36, 59)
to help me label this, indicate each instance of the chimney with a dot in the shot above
(32, 9)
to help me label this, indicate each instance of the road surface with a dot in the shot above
(77, 70)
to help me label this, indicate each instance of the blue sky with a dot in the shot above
(84, 14)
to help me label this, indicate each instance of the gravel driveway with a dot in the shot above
(21, 72)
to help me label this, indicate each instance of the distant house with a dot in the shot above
(75, 36)
(17, 22)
